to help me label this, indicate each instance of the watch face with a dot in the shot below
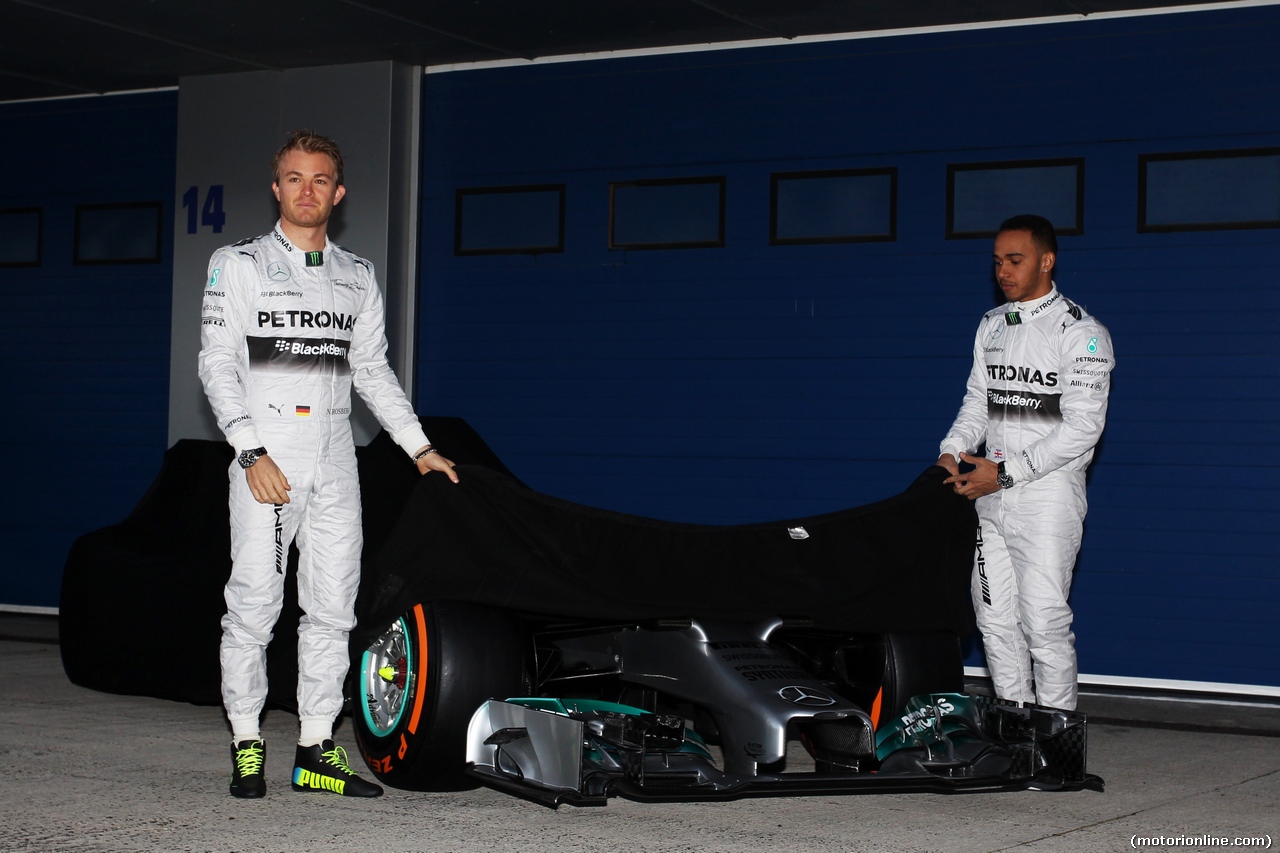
(1003, 479)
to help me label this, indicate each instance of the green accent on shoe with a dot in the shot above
(337, 757)
(325, 768)
(317, 782)
(247, 758)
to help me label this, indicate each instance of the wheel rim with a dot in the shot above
(386, 677)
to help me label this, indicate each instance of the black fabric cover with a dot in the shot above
(901, 564)
(142, 602)
(142, 599)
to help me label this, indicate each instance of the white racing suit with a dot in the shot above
(1037, 397)
(284, 335)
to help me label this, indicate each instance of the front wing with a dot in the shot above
(581, 753)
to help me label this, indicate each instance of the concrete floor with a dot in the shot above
(87, 771)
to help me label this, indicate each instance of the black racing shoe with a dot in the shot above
(247, 758)
(324, 768)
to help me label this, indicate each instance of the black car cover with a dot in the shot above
(141, 600)
(902, 564)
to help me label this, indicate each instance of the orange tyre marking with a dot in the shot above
(420, 682)
(875, 710)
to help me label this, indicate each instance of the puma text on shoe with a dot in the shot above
(324, 768)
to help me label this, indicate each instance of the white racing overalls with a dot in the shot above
(285, 334)
(1037, 397)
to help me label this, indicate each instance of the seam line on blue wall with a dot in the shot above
(1158, 683)
(80, 95)
(708, 47)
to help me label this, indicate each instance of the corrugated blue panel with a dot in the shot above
(86, 348)
(755, 382)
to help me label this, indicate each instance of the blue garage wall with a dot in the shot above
(752, 381)
(86, 348)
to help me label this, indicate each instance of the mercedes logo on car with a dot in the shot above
(806, 696)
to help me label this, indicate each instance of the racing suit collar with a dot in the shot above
(297, 256)
(1035, 307)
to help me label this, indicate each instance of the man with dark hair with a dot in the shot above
(290, 322)
(1037, 398)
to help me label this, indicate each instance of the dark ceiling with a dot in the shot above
(51, 48)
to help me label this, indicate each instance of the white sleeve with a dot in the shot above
(970, 427)
(224, 318)
(1086, 360)
(373, 378)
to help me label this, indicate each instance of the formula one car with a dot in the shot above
(567, 653)
(691, 709)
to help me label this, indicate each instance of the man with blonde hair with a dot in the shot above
(290, 323)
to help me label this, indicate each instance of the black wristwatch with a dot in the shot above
(1003, 478)
(248, 457)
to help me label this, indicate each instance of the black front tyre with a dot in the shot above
(419, 683)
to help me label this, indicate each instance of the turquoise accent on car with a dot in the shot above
(566, 707)
(693, 742)
(366, 661)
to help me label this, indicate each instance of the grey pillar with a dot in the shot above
(229, 127)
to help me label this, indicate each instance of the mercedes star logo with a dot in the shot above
(805, 696)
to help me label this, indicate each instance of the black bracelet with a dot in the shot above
(424, 452)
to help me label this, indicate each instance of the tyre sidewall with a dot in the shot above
(472, 653)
